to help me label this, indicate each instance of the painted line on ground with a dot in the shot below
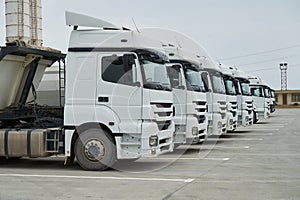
(271, 124)
(268, 126)
(247, 134)
(281, 121)
(260, 129)
(194, 158)
(235, 139)
(217, 146)
(225, 147)
(188, 180)
(271, 154)
(250, 181)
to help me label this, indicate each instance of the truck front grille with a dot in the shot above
(222, 105)
(200, 107)
(163, 114)
(163, 125)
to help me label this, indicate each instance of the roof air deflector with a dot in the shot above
(75, 19)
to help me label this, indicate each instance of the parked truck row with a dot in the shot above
(120, 94)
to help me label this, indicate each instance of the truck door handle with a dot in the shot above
(103, 99)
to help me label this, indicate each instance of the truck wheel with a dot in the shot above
(95, 150)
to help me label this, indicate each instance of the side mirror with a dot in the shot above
(129, 60)
(176, 67)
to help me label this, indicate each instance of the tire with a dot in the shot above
(95, 150)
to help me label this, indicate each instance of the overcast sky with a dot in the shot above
(269, 30)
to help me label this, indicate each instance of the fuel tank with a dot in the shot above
(23, 143)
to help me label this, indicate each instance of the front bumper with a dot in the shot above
(137, 146)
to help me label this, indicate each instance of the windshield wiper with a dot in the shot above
(196, 88)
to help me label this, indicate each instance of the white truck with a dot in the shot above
(245, 101)
(273, 100)
(261, 98)
(189, 101)
(231, 88)
(216, 100)
(118, 99)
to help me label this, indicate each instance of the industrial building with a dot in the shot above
(287, 97)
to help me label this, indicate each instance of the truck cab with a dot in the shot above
(216, 101)
(189, 101)
(261, 98)
(244, 97)
(118, 83)
(273, 100)
(231, 97)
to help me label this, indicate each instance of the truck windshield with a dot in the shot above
(229, 85)
(272, 94)
(156, 76)
(257, 91)
(194, 80)
(267, 92)
(245, 87)
(217, 83)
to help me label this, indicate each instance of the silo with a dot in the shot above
(18, 23)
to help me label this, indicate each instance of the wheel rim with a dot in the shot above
(94, 150)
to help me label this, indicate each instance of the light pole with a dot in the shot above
(283, 68)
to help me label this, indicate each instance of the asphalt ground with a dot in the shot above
(257, 162)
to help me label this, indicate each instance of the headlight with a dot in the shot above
(153, 141)
(195, 131)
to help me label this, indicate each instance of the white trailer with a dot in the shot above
(118, 101)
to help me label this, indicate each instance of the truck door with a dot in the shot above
(209, 94)
(119, 89)
(258, 98)
(179, 93)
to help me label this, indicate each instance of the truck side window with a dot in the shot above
(175, 77)
(115, 71)
(256, 92)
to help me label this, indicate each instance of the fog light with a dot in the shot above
(231, 121)
(153, 151)
(220, 125)
(153, 141)
(195, 131)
